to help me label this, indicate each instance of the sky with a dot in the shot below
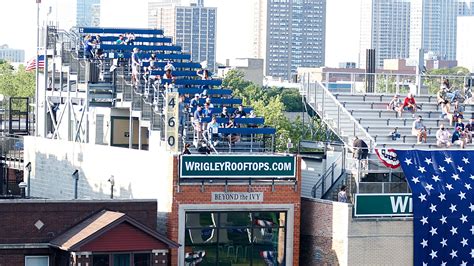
(234, 25)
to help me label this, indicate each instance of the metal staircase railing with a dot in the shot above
(331, 111)
(330, 177)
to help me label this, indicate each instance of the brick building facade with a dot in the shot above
(196, 198)
(73, 232)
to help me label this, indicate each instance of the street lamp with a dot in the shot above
(75, 176)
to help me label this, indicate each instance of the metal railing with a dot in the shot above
(330, 177)
(383, 187)
(12, 151)
(356, 82)
(331, 111)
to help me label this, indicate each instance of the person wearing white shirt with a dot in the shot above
(443, 137)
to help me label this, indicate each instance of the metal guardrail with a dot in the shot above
(330, 177)
(11, 152)
(355, 82)
(331, 111)
(384, 187)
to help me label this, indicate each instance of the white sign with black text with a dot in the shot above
(237, 197)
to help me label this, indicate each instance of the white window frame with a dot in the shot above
(40, 256)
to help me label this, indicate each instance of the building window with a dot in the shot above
(36, 261)
(244, 238)
(100, 260)
(141, 259)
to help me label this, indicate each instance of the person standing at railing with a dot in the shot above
(342, 195)
(361, 150)
(135, 67)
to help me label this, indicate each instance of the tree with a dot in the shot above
(16, 83)
(456, 76)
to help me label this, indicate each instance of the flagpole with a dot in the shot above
(38, 2)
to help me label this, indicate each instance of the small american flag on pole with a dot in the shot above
(31, 65)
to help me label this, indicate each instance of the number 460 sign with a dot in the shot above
(171, 120)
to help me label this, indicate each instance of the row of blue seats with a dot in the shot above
(160, 56)
(138, 39)
(230, 110)
(254, 120)
(120, 47)
(177, 73)
(193, 91)
(94, 30)
(217, 101)
(207, 82)
(176, 65)
(248, 130)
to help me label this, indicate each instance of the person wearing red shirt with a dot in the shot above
(409, 104)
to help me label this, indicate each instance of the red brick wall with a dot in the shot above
(191, 194)
(19, 217)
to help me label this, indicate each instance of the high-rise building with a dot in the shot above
(434, 26)
(385, 27)
(12, 55)
(464, 51)
(289, 34)
(87, 13)
(192, 27)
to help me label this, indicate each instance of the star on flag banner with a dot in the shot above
(442, 183)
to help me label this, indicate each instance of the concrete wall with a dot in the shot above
(331, 236)
(138, 174)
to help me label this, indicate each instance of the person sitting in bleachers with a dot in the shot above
(469, 129)
(130, 39)
(409, 104)
(207, 112)
(460, 124)
(208, 101)
(232, 138)
(442, 137)
(240, 113)
(120, 40)
(204, 74)
(194, 101)
(224, 113)
(419, 130)
(395, 104)
(458, 112)
(458, 138)
(252, 115)
(395, 134)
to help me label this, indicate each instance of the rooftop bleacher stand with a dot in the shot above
(104, 80)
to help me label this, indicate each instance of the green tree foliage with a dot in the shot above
(435, 77)
(16, 83)
(271, 103)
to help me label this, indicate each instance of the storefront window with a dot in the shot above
(235, 238)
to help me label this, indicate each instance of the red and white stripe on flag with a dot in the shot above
(31, 65)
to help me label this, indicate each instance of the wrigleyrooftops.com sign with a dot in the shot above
(237, 166)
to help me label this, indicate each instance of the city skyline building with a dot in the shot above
(289, 34)
(465, 53)
(433, 27)
(12, 55)
(385, 27)
(193, 27)
(87, 13)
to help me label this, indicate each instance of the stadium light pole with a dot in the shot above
(38, 2)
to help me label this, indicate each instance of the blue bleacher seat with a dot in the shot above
(217, 100)
(159, 56)
(209, 82)
(139, 39)
(200, 90)
(230, 110)
(255, 121)
(248, 130)
(90, 30)
(121, 47)
(176, 64)
(177, 73)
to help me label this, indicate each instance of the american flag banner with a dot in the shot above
(442, 183)
(31, 65)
